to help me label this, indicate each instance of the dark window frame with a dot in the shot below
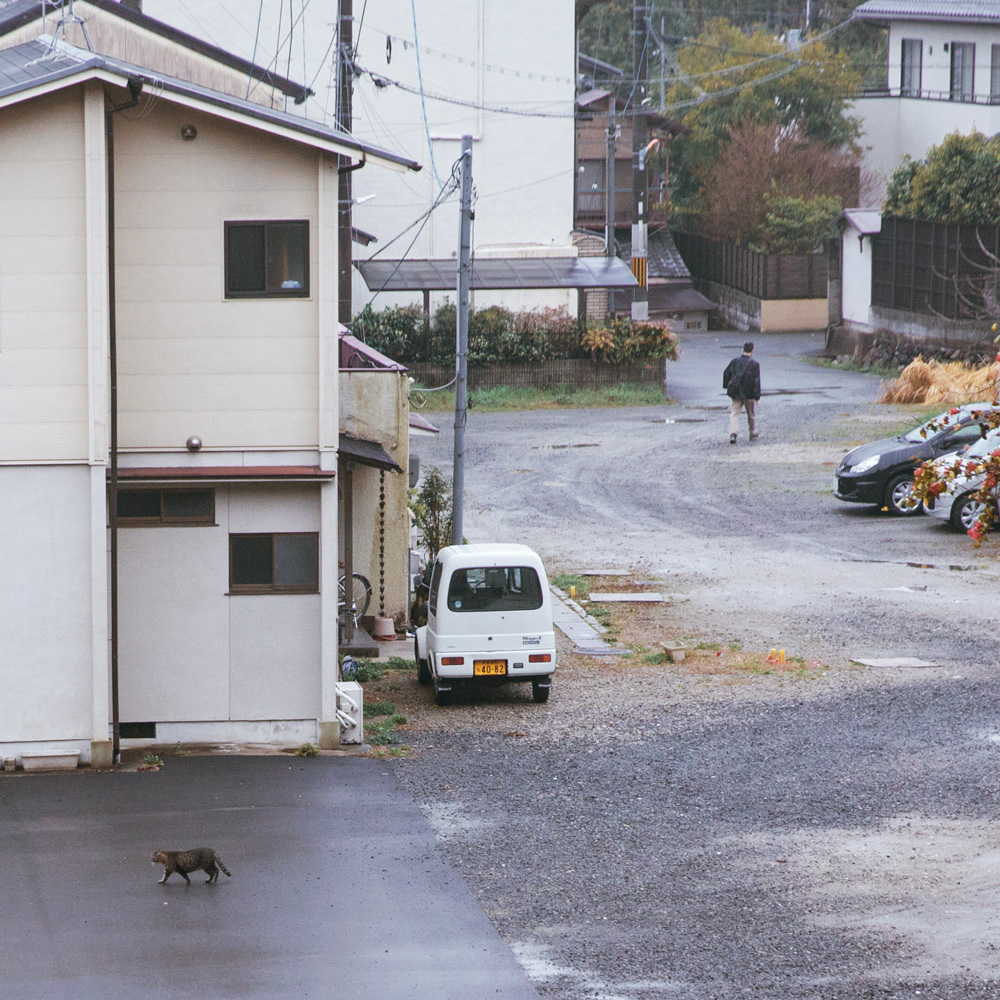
(266, 293)
(911, 67)
(167, 520)
(272, 588)
(963, 71)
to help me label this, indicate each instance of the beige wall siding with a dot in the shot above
(236, 372)
(189, 651)
(43, 281)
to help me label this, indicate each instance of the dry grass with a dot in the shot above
(947, 383)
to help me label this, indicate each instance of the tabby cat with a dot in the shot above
(182, 862)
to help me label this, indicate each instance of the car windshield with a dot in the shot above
(985, 445)
(494, 588)
(927, 430)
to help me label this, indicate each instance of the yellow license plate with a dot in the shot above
(489, 668)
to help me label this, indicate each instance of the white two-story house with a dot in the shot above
(168, 317)
(943, 75)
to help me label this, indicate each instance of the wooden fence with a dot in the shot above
(947, 269)
(763, 275)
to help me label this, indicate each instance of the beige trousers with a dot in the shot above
(735, 405)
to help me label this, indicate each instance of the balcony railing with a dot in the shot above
(931, 95)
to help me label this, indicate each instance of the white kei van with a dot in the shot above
(489, 617)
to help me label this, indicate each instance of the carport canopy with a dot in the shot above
(496, 273)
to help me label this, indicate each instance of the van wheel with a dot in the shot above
(443, 694)
(423, 670)
(540, 691)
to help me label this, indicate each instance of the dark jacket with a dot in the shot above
(741, 379)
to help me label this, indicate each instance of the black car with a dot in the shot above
(881, 473)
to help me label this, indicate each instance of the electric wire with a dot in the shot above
(253, 59)
(448, 188)
(423, 102)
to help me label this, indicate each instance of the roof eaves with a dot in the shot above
(23, 14)
(78, 62)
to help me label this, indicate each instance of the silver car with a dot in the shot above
(957, 504)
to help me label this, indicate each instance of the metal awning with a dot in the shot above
(496, 273)
(223, 473)
(366, 452)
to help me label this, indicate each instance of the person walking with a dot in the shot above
(741, 380)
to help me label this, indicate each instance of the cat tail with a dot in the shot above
(218, 861)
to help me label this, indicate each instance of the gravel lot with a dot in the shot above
(690, 832)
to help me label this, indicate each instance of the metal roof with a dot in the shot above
(496, 273)
(43, 62)
(366, 452)
(16, 14)
(964, 11)
(867, 221)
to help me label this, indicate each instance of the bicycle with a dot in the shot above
(361, 593)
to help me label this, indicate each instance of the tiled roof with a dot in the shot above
(44, 61)
(964, 11)
(663, 257)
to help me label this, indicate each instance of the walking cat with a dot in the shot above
(182, 862)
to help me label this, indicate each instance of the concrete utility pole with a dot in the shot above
(462, 339)
(609, 191)
(640, 139)
(345, 88)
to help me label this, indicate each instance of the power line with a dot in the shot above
(423, 102)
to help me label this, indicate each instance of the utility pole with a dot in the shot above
(609, 191)
(640, 138)
(345, 89)
(462, 338)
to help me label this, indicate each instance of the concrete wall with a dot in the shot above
(235, 372)
(745, 312)
(376, 408)
(856, 281)
(190, 651)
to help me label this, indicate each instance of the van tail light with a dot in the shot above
(452, 661)
(540, 658)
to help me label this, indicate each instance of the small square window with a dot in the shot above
(267, 259)
(140, 507)
(274, 563)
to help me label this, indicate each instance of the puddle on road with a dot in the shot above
(679, 420)
(954, 568)
(553, 447)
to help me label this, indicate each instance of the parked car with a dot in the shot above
(489, 618)
(881, 473)
(956, 504)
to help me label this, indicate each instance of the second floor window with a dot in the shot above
(995, 75)
(963, 60)
(912, 60)
(267, 259)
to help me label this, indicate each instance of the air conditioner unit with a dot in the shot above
(350, 712)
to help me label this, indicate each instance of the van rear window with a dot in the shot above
(495, 588)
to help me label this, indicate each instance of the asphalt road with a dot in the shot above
(833, 839)
(751, 530)
(337, 888)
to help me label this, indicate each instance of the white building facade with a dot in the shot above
(220, 298)
(943, 76)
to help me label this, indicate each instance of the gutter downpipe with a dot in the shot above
(135, 90)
